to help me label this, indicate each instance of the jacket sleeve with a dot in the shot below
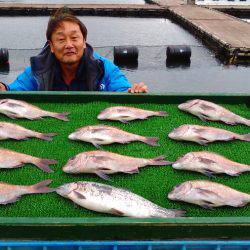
(114, 79)
(24, 82)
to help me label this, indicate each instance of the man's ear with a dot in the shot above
(51, 46)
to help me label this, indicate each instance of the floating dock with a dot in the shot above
(228, 36)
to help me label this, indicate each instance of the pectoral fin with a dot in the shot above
(202, 141)
(116, 212)
(206, 160)
(100, 158)
(207, 204)
(207, 193)
(208, 172)
(102, 175)
(79, 195)
(96, 145)
(15, 105)
(206, 107)
(124, 121)
(132, 171)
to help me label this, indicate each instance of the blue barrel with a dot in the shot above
(178, 53)
(4, 56)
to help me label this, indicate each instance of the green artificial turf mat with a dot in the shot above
(153, 182)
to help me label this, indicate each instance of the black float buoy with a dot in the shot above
(178, 53)
(4, 56)
(4, 61)
(178, 56)
(126, 56)
(126, 53)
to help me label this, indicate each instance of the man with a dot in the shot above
(68, 63)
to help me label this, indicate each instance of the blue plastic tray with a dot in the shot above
(125, 245)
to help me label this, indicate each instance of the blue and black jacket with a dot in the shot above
(97, 73)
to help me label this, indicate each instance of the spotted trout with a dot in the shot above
(206, 110)
(209, 163)
(103, 135)
(103, 163)
(204, 135)
(208, 194)
(107, 199)
(126, 114)
(21, 109)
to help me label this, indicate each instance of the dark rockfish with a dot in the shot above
(126, 114)
(209, 163)
(102, 163)
(16, 132)
(208, 194)
(21, 109)
(210, 111)
(204, 135)
(11, 193)
(103, 135)
(12, 159)
(107, 199)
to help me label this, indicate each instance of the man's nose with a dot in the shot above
(69, 43)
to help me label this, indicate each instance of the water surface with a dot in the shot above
(25, 35)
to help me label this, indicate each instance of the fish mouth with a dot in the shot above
(72, 136)
(171, 135)
(187, 105)
(65, 189)
(100, 117)
(176, 165)
(171, 196)
(66, 169)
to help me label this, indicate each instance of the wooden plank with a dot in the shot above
(225, 28)
(230, 32)
(77, 6)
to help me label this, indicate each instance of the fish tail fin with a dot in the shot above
(246, 122)
(43, 164)
(152, 141)
(245, 137)
(162, 113)
(160, 161)
(60, 116)
(41, 187)
(179, 213)
(46, 137)
(169, 213)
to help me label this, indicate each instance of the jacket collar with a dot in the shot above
(45, 62)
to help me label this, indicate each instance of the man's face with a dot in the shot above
(67, 43)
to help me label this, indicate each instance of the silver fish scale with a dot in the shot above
(116, 194)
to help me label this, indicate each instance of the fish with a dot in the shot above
(204, 134)
(21, 109)
(11, 193)
(107, 199)
(209, 163)
(206, 110)
(208, 194)
(16, 132)
(12, 159)
(103, 163)
(103, 135)
(126, 114)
